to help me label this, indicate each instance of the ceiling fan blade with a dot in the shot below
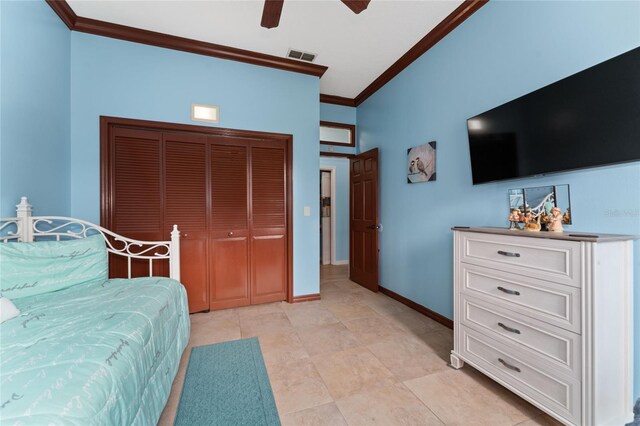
(271, 13)
(356, 6)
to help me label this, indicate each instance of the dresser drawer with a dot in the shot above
(554, 347)
(556, 304)
(553, 260)
(557, 393)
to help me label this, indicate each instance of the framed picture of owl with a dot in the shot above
(421, 163)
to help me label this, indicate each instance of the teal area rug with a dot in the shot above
(227, 384)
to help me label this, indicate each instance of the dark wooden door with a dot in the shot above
(186, 202)
(269, 263)
(229, 193)
(230, 228)
(363, 257)
(136, 199)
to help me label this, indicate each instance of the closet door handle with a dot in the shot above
(512, 330)
(508, 253)
(506, 290)
(230, 234)
(509, 366)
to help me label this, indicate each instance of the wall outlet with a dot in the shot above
(307, 211)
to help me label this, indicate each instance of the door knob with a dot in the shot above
(373, 226)
(184, 235)
(230, 234)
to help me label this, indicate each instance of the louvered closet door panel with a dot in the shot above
(186, 205)
(229, 232)
(136, 202)
(268, 233)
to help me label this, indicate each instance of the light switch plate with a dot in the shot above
(307, 211)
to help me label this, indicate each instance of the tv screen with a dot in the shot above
(589, 119)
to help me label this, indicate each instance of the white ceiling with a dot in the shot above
(356, 48)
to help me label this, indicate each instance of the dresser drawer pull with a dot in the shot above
(508, 253)
(509, 366)
(512, 330)
(506, 290)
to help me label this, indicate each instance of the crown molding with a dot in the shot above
(448, 24)
(122, 32)
(337, 100)
(64, 11)
(152, 38)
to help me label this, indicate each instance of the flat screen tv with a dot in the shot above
(589, 119)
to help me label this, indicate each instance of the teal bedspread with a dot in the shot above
(102, 353)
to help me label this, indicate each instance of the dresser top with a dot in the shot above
(568, 236)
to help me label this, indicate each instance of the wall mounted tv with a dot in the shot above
(589, 119)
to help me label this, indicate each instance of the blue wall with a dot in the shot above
(122, 79)
(505, 50)
(342, 205)
(34, 108)
(338, 114)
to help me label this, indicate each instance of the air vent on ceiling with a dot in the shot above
(303, 56)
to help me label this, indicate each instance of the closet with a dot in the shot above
(229, 193)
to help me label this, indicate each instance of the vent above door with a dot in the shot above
(299, 54)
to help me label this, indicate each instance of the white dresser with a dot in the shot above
(550, 317)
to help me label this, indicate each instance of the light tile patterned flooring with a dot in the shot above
(359, 358)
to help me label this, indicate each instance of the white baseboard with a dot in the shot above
(341, 262)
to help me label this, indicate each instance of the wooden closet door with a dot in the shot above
(186, 201)
(269, 252)
(136, 204)
(229, 220)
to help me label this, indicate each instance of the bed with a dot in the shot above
(102, 351)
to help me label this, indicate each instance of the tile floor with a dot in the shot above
(359, 358)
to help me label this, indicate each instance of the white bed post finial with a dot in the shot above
(174, 265)
(23, 212)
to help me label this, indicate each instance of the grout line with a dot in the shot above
(347, 290)
(377, 314)
(422, 402)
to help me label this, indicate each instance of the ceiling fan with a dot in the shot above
(273, 9)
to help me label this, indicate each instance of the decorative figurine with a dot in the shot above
(514, 218)
(548, 205)
(531, 223)
(555, 222)
(545, 219)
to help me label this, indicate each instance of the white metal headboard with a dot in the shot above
(28, 228)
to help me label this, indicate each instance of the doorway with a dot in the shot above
(327, 215)
(334, 217)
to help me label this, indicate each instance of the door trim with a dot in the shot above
(107, 123)
(336, 154)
